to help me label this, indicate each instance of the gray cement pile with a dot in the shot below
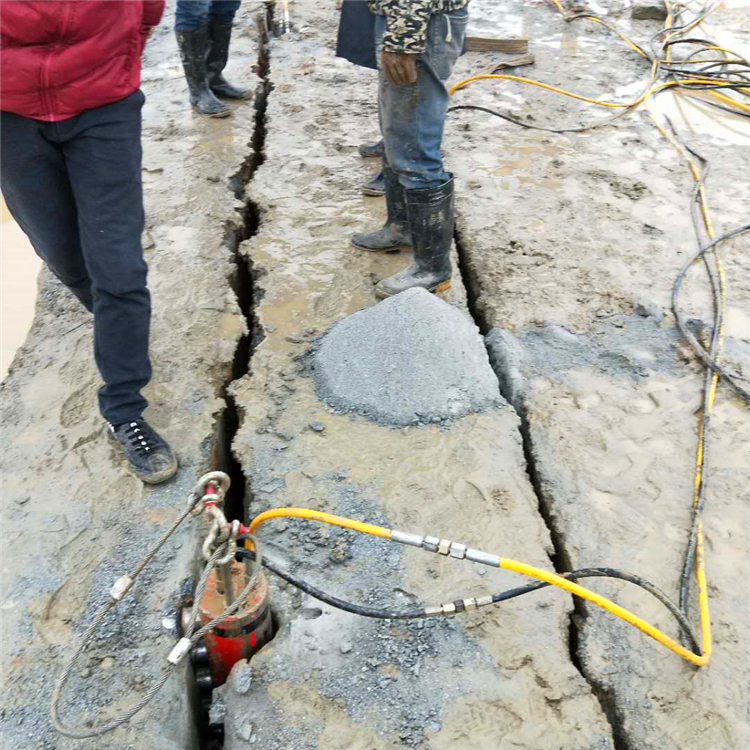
(412, 359)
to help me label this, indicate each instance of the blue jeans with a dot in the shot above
(412, 116)
(190, 15)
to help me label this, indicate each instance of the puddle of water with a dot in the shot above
(20, 267)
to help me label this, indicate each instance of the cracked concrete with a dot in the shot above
(73, 518)
(570, 246)
(330, 679)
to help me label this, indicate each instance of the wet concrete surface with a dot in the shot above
(571, 245)
(568, 246)
(73, 518)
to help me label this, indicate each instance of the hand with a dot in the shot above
(399, 68)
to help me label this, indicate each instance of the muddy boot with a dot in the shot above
(372, 150)
(375, 186)
(219, 35)
(431, 219)
(395, 232)
(193, 46)
(148, 454)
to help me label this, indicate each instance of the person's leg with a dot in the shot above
(412, 121)
(372, 149)
(413, 115)
(34, 182)
(220, 35)
(375, 186)
(394, 234)
(223, 11)
(190, 15)
(103, 153)
(191, 29)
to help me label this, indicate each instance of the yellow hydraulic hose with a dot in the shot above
(700, 557)
(622, 36)
(315, 515)
(615, 105)
(515, 566)
(604, 603)
(467, 81)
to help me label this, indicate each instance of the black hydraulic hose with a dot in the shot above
(527, 125)
(415, 614)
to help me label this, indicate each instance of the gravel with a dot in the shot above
(410, 360)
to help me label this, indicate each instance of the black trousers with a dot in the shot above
(74, 187)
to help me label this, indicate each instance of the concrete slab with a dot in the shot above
(330, 679)
(570, 246)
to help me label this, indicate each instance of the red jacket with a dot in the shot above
(60, 57)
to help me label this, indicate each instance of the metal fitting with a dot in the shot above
(198, 497)
(449, 609)
(470, 604)
(413, 540)
(431, 543)
(444, 547)
(458, 551)
(233, 531)
(220, 532)
(199, 655)
(121, 587)
(485, 558)
(180, 651)
(483, 601)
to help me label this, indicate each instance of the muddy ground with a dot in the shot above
(567, 249)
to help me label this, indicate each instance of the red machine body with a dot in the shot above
(241, 635)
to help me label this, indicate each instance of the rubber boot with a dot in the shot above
(395, 232)
(193, 46)
(219, 36)
(431, 219)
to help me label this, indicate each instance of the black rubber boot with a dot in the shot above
(375, 186)
(395, 232)
(147, 452)
(193, 47)
(372, 149)
(431, 219)
(219, 36)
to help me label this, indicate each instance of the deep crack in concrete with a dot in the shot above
(559, 558)
(242, 281)
(211, 736)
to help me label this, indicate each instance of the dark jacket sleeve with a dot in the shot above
(356, 38)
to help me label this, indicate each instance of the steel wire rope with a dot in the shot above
(190, 634)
